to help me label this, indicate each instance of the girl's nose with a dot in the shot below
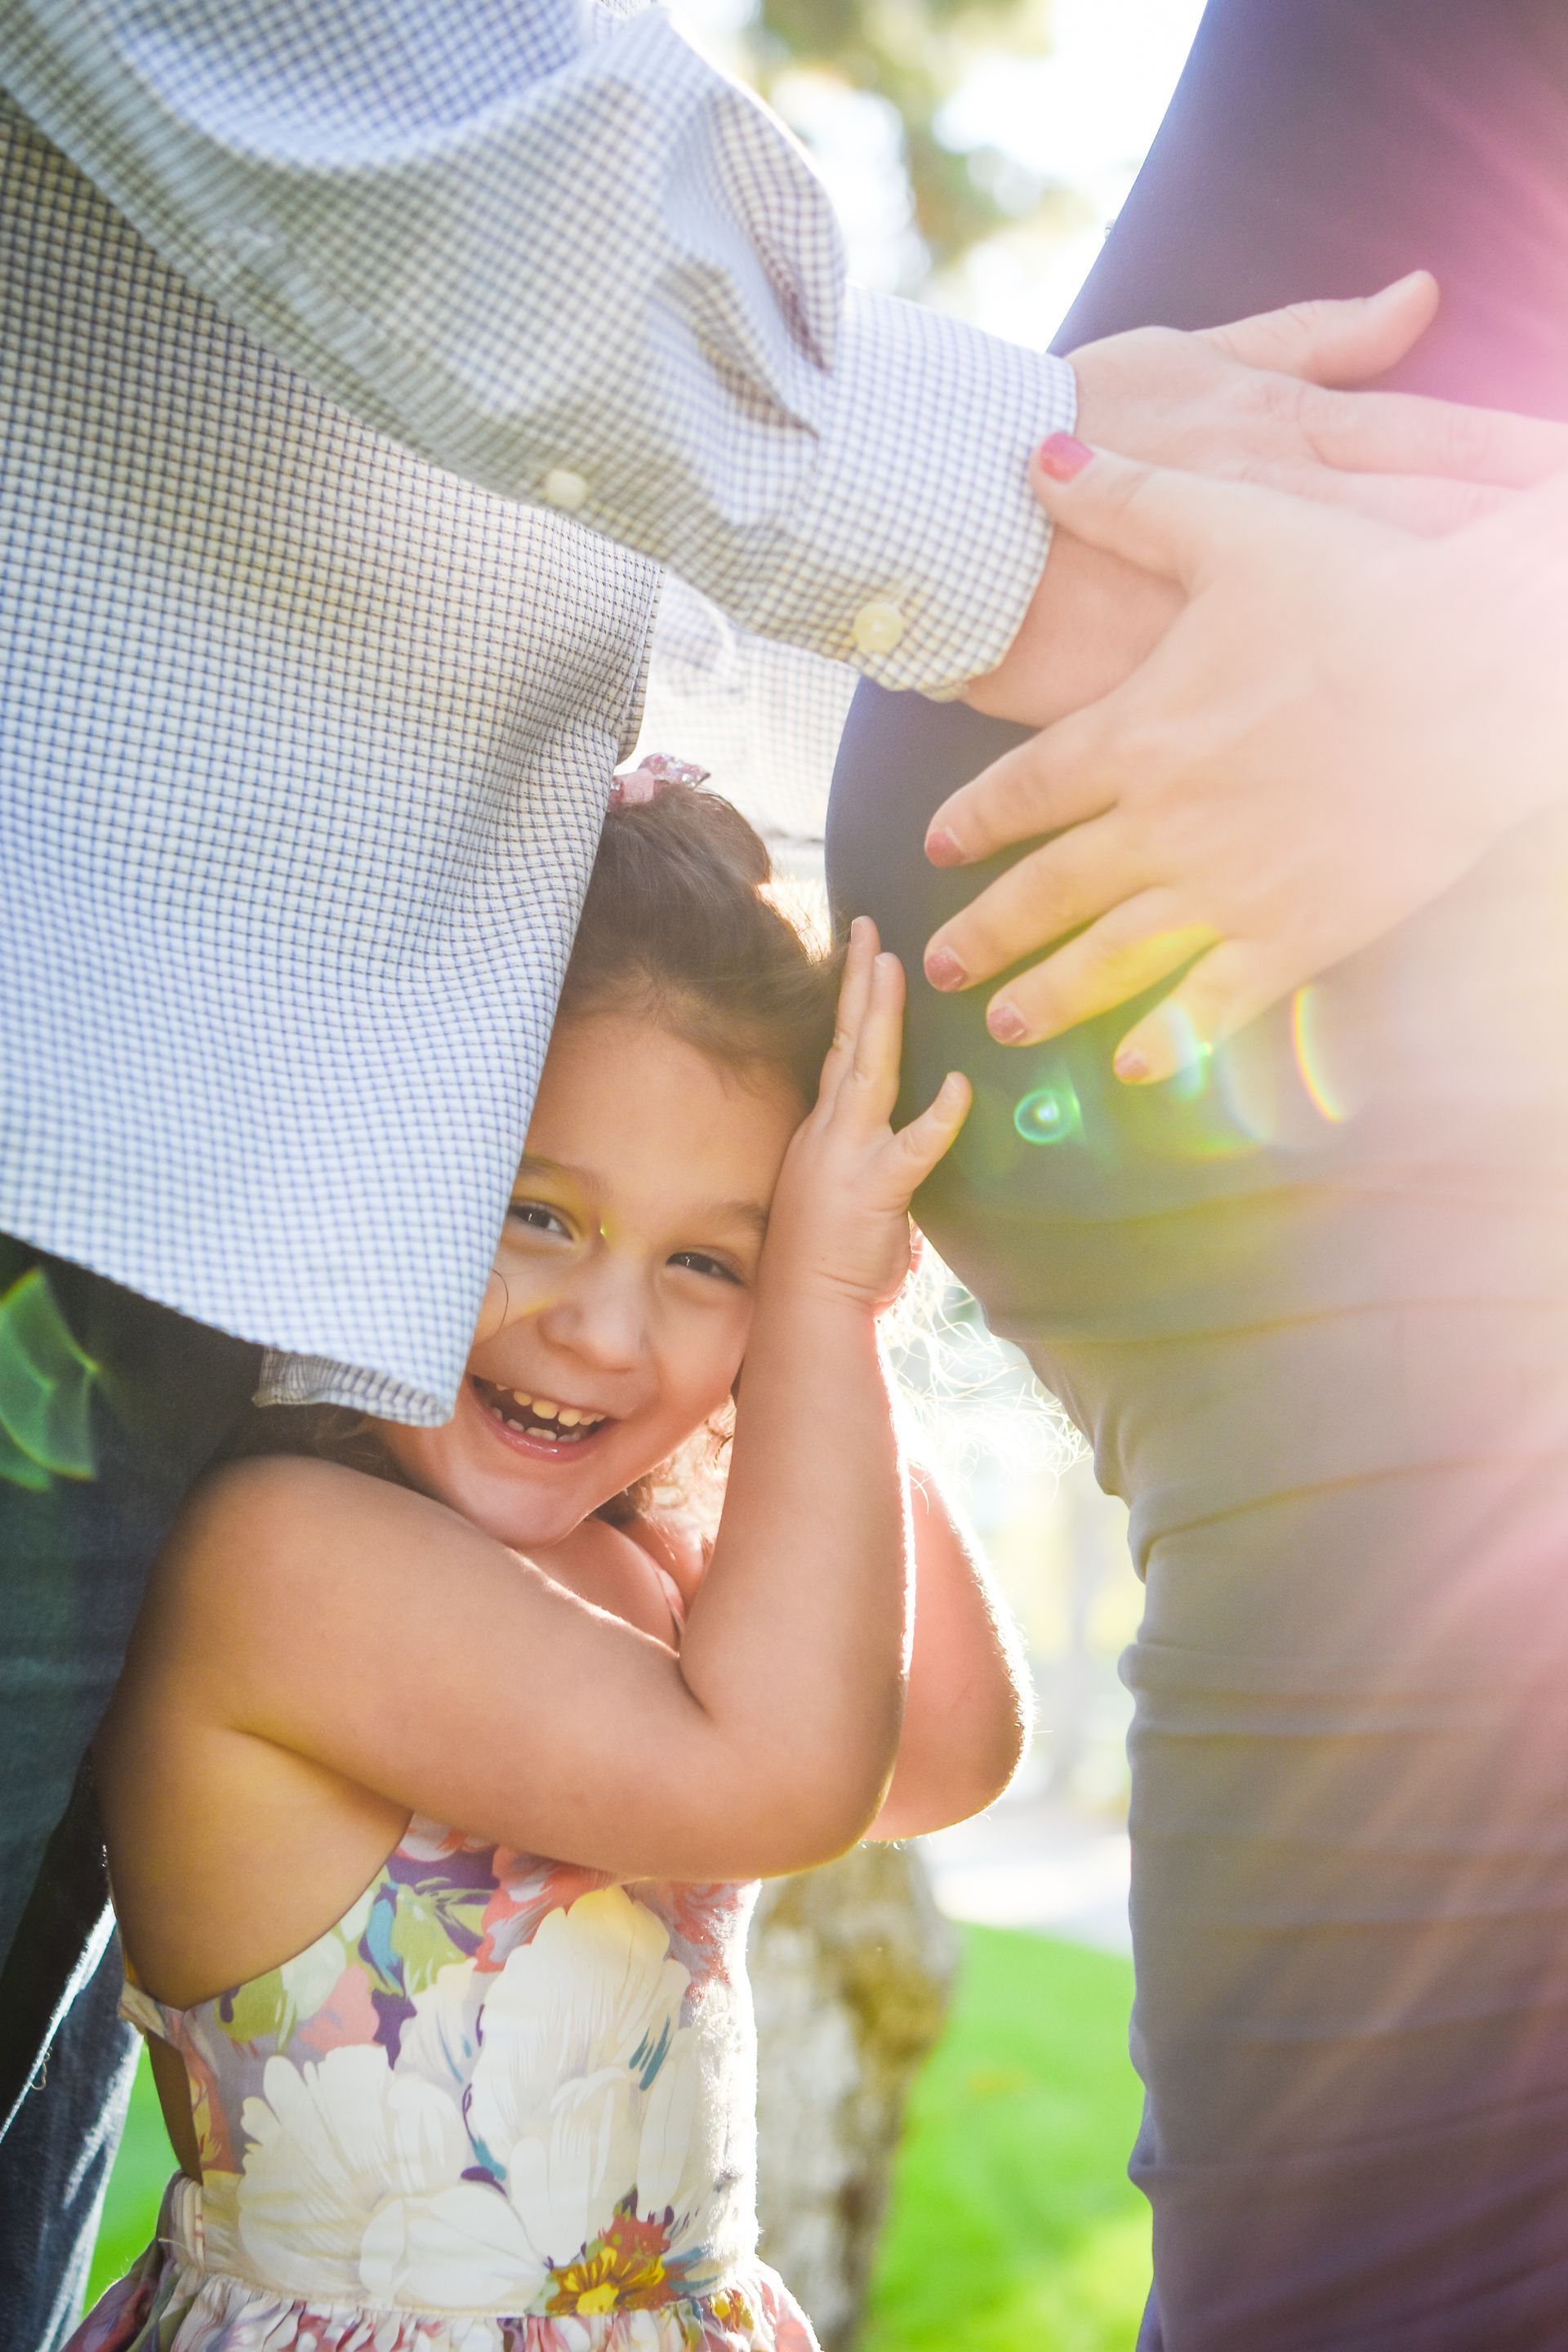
(601, 1314)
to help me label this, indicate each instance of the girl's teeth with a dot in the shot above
(522, 1411)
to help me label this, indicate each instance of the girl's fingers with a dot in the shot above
(854, 991)
(872, 1086)
(921, 1145)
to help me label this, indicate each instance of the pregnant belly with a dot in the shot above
(1340, 1250)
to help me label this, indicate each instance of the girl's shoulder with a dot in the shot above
(270, 1505)
(256, 1535)
(258, 1541)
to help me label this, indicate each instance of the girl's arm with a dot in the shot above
(968, 1708)
(968, 1704)
(375, 1638)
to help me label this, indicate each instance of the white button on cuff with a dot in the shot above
(564, 488)
(878, 627)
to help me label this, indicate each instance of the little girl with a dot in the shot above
(489, 2088)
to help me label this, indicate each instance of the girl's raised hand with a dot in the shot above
(840, 1215)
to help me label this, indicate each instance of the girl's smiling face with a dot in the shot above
(628, 1261)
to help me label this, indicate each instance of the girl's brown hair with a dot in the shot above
(676, 923)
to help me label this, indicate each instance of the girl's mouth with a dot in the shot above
(537, 1425)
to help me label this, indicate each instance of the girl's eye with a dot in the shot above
(698, 1261)
(538, 1217)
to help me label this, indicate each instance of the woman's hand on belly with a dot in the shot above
(1343, 721)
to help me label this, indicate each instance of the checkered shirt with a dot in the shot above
(360, 360)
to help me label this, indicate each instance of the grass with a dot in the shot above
(1012, 2226)
(135, 2186)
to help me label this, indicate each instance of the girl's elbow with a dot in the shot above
(831, 1819)
(998, 1768)
(984, 1776)
(802, 1817)
(954, 1780)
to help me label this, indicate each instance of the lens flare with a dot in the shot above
(551, 1231)
(1049, 1114)
(1195, 1054)
(1307, 1038)
(46, 1384)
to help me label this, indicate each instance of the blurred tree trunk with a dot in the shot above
(852, 1967)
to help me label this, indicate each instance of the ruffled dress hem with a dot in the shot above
(167, 2304)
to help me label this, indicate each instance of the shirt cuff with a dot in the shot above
(917, 543)
(321, 1379)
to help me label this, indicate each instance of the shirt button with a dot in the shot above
(564, 488)
(878, 627)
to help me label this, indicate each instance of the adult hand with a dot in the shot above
(1338, 724)
(1256, 402)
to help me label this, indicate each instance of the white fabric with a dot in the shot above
(763, 719)
(306, 713)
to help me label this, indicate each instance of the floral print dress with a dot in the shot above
(503, 2105)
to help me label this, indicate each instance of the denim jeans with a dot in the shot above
(109, 1406)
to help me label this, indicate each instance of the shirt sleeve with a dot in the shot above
(558, 253)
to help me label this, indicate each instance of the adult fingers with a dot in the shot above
(1403, 433)
(1535, 523)
(1128, 951)
(854, 989)
(1416, 503)
(1547, 510)
(1068, 881)
(1335, 341)
(1172, 524)
(1057, 778)
(921, 1145)
(1224, 990)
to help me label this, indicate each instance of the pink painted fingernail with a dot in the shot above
(942, 849)
(943, 969)
(1061, 455)
(1131, 1067)
(1005, 1022)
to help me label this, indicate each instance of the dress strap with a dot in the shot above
(139, 2009)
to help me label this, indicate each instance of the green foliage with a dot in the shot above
(913, 54)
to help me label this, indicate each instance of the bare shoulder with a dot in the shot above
(277, 1494)
(256, 1535)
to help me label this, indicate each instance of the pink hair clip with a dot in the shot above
(654, 772)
